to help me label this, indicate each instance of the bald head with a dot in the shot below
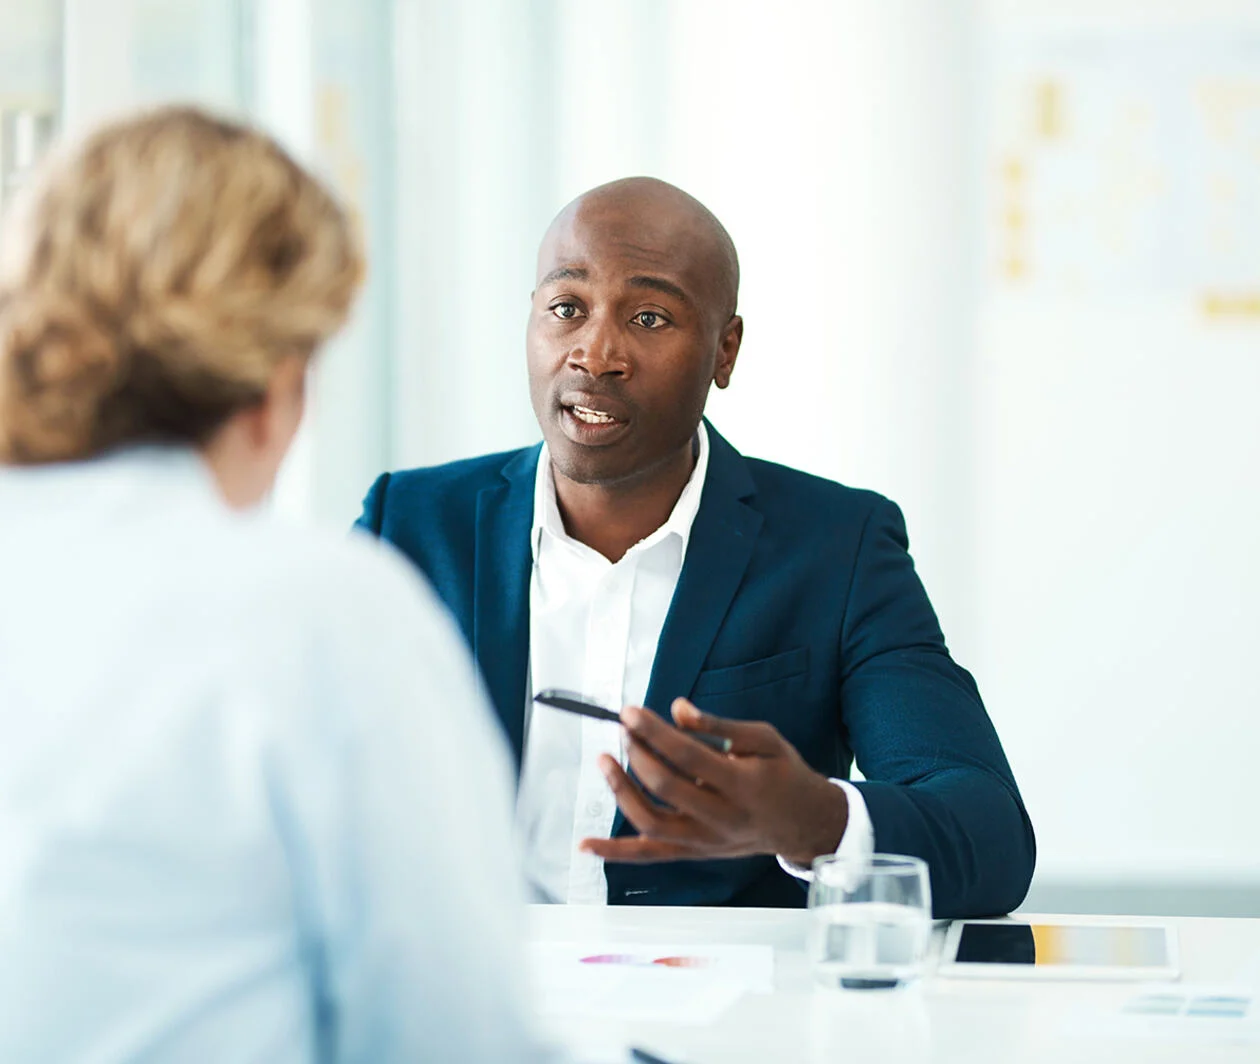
(632, 322)
(656, 220)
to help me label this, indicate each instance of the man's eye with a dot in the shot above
(565, 311)
(649, 319)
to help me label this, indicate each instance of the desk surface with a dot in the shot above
(941, 1020)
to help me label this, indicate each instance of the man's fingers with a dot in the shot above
(684, 795)
(691, 758)
(647, 818)
(750, 738)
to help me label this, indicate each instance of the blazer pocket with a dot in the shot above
(759, 673)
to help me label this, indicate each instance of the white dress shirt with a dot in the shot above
(593, 628)
(253, 807)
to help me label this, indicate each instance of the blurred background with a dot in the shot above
(1001, 262)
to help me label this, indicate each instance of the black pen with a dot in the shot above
(642, 1056)
(574, 703)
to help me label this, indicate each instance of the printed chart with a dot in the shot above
(1126, 164)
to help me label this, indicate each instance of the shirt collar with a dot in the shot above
(682, 517)
(167, 465)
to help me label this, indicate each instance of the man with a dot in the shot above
(637, 558)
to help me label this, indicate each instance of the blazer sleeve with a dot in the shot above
(938, 785)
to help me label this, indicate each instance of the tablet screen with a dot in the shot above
(1063, 945)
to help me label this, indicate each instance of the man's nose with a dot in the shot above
(600, 352)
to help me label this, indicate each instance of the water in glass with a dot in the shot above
(873, 942)
(870, 920)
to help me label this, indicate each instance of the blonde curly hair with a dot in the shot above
(153, 276)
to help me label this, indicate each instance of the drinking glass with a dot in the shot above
(870, 920)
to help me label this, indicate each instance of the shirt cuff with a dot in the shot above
(859, 833)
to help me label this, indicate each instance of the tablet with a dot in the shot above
(1050, 949)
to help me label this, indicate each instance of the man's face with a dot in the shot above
(625, 336)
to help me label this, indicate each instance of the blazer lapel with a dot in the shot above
(719, 549)
(505, 514)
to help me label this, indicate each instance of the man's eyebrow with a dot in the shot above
(565, 273)
(659, 284)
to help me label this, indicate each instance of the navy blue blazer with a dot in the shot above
(798, 604)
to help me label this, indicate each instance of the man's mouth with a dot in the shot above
(591, 416)
(591, 421)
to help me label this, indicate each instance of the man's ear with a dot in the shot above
(728, 350)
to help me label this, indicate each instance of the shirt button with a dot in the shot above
(595, 809)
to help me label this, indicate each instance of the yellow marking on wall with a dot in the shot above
(1049, 119)
(1220, 306)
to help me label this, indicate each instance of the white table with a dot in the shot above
(940, 1020)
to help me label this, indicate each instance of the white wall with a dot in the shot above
(473, 192)
(1117, 527)
(128, 53)
(30, 49)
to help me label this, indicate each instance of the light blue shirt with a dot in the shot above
(253, 807)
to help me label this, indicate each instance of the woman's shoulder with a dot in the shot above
(328, 572)
(299, 604)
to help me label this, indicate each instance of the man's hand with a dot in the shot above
(760, 798)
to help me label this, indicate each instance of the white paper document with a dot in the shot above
(653, 982)
(1249, 973)
(1180, 1012)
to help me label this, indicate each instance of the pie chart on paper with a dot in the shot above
(645, 961)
